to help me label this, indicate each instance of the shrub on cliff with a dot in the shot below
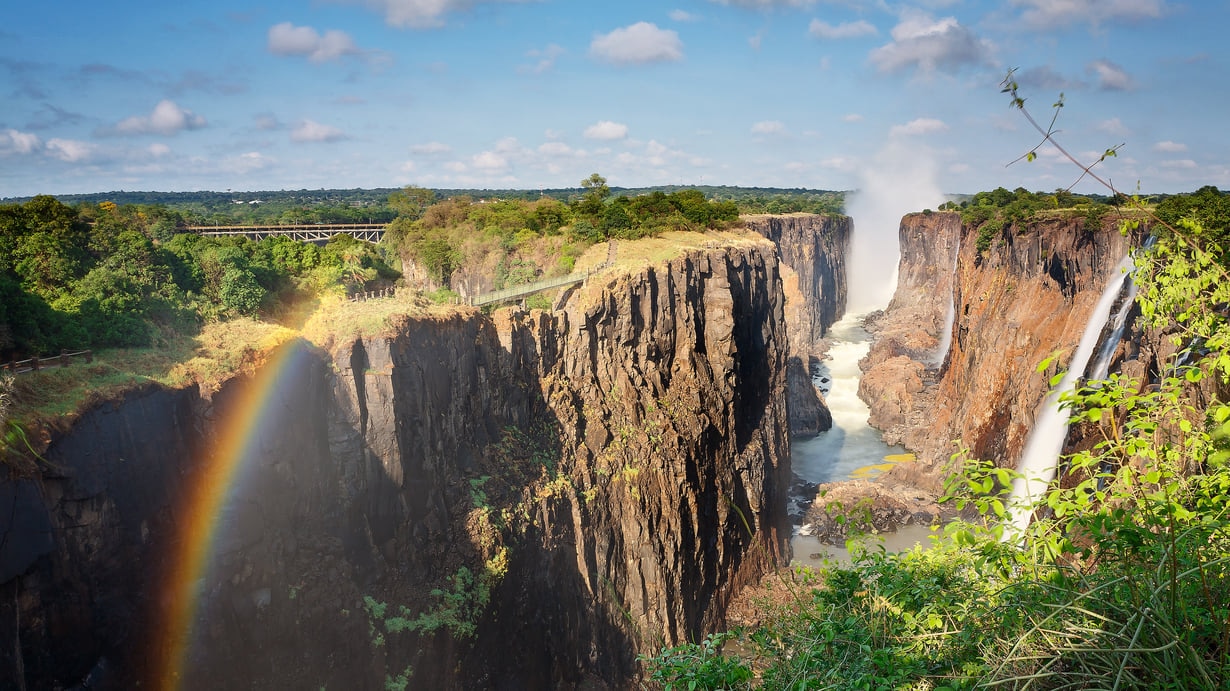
(992, 212)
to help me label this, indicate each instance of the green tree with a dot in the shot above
(594, 198)
(411, 201)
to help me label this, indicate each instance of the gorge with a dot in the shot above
(525, 499)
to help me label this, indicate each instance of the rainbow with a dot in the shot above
(205, 498)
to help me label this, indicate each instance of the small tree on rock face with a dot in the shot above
(438, 257)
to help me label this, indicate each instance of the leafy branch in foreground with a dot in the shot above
(1011, 87)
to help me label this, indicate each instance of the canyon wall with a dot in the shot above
(523, 500)
(813, 250)
(1026, 297)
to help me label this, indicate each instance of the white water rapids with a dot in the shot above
(851, 446)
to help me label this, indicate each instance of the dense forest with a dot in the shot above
(373, 205)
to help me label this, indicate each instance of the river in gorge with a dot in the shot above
(852, 449)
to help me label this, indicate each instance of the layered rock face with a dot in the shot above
(813, 251)
(1027, 297)
(576, 487)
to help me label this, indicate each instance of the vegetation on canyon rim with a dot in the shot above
(1121, 581)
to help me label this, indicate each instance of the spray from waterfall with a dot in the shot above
(900, 180)
(1038, 462)
(950, 314)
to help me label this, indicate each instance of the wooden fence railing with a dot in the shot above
(374, 295)
(37, 363)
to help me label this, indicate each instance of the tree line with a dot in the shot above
(109, 276)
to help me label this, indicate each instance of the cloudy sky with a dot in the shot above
(289, 94)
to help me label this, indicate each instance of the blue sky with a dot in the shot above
(290, 94)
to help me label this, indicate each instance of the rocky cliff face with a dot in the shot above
(813, 251)
(525, 500)
(1027, 297)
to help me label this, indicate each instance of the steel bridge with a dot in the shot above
(317, 232)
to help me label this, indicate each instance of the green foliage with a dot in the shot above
(116, 276)
(1208, 209)
(993, 212)
(691, 666)
(457, 609)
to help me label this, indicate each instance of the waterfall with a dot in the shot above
(1041, 455)
(1101, 367)
(950, 316)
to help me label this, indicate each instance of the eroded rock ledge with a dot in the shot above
(620, 466)
(813, 251)
(1027, 297)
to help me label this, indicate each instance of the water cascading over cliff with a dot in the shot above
(1028, 295)
(1038, 463)
(546, 494)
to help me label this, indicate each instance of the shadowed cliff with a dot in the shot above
(523, 500)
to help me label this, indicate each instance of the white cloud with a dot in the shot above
(606, 130)
(766, 4)
(929, 44)
(852, 117)
(544, 59)
(312, 131)
(288, 39)
(557, 149)
(682, 16)
(158, 149)
(69, 150)
(15, 142)
(417, 14)
(430, 149)
(247, 162)
(1049, 14)
(636, 44)
(841, 163)
(490, 161)
(267, 122)
(1183, 164)
(769, 127)
(824, 30)
(1170, 147)
(166, 118)
(1113, 126)
(1111, 77)
(1046, 78)
(917, 127)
